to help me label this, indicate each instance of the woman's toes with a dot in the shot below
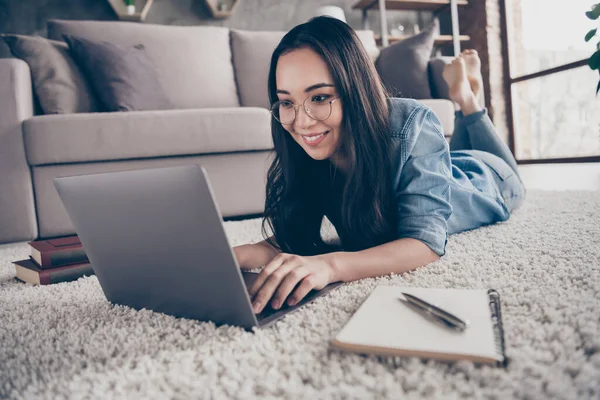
(473, 70)
(458, 60)
(455, 76)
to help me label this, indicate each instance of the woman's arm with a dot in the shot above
(255, 255)
(399, 256)
(290, 278)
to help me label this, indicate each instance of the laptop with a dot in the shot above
(155, 239)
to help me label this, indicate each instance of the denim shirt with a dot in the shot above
(438, 192)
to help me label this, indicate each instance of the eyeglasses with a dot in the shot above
(318, 108)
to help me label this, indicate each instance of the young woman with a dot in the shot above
(379, 168)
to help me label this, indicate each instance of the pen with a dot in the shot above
(430, 310)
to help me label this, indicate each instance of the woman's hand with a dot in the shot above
(250, 256)
(283, 273)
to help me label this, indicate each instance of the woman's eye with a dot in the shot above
(320, 98)
(285, 104)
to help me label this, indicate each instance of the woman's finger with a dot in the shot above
(264, 274)
(289, 283)
(308, 284)
(271, 284)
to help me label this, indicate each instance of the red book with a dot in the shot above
(58, 252)
(28, 271)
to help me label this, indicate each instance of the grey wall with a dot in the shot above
(30, 16)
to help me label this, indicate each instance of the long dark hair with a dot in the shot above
(301, 190)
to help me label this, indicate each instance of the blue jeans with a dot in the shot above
(477, 133)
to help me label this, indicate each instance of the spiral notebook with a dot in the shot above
(384, 325)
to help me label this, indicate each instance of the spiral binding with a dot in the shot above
(494, 297)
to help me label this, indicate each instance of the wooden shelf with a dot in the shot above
(213, 8)
(441, 39)
(418, 5)
(120, 9)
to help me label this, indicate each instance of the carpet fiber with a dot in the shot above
(67, 341)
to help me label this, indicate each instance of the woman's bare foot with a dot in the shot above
(455, 75)
(473, 65)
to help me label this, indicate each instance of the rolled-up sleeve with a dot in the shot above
(422, 181)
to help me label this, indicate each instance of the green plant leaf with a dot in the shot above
(590, 34)
(594, 61)
(594, 13)
(598, 88)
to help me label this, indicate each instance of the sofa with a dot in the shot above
(217, 78)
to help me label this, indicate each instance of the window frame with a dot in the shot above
(509, 80)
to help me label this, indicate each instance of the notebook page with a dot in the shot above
(384, 321)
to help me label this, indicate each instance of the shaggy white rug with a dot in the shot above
(67, 341)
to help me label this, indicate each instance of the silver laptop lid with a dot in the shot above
(155, 239)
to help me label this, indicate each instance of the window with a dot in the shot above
(555, 110)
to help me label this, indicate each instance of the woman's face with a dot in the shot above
(303, 74)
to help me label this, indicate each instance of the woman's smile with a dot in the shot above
(314, 139)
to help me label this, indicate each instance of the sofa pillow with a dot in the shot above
(193, 63)
(252, 51)
(402, 66)
(439, 87)
(124, 79)
(59, 85)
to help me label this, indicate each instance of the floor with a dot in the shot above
(580, 176)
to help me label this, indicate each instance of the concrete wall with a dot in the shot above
(30, 16)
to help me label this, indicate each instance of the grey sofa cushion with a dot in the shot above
(252, 51)
(58, 139)
(58, 82)
(193, 62)
(403, 65)
(251, 58)
(123, 79)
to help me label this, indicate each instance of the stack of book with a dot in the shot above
(53, 261)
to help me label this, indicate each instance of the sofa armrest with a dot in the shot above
(444, 110)
(17, 209)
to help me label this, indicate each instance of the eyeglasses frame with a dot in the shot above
(306, 110)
